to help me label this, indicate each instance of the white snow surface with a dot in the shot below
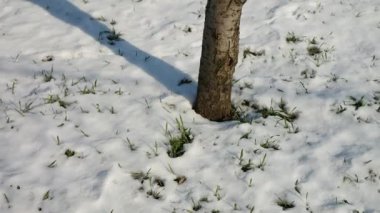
(128, 90)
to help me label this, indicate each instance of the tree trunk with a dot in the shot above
(220, 51)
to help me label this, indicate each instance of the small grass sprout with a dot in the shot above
(292, 38)
(314, 50)
(248, 166)
(141, 176)
(284, 203)
(46, 195)
(154, 150)
(131, 145)
(111, 35)
(152, 192)
(69, 153)
(52, 164)
(257, 53)
(24, 108)
(47, 75)
(340, 109)
(177, 142)
(217, 193)
(356, 102)
(88, 90)
(55, 98)
(196, 205)
(283, 114)
(270, 143)
(184, 81)
(262, 163)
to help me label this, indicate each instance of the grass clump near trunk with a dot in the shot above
(178, 141)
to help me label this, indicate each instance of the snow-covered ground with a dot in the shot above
(91, 92)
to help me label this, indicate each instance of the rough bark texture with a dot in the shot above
(220, 50)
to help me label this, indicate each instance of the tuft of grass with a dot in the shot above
(177, 142)
(112, 110)
(196, 205)
(152, 192)
(239, 115)
(119, 92)
(217, 193)
(283, 113)
(372, 176)
(355, 102)
(55, 98)
(292, 38)
(284, 203)
(131, 145)
(314, 50)
(184, 81)
(250, 208)
(248, 166)
(47, 75)
(159, 182)
(46, 195)
(319, 54)
(262, 163)
(180, 179)
(270, 143)
(154, 150)
(340, 109)
(350, 179)
(12, 86)
(24, 108)
(257, 53)
(187, 29)
(309, 73)
(69, 153)
(89, 90)
(155, 194)
(141, 176)
(111, 35)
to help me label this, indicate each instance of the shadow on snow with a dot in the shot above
(166, 74)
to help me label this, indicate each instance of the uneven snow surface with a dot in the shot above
(91, 92)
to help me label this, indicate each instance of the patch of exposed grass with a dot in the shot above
(47, 75)
(283, 113)
(24, 108)
(257, 53)
(285, 203)
(270, 143)
(111, 35)
(69, 153)
(56, 99)
(356, 102)
(292, 38)
(178, 141)
(141, 176)
(314, 50)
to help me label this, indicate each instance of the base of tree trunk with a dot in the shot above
(220, 49)
(209, 112)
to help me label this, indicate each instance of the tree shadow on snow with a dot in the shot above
(166, 74)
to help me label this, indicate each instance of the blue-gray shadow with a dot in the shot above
(168, 75)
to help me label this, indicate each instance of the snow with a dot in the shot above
(117, 101)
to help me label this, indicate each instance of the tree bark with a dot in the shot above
(220, 49)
